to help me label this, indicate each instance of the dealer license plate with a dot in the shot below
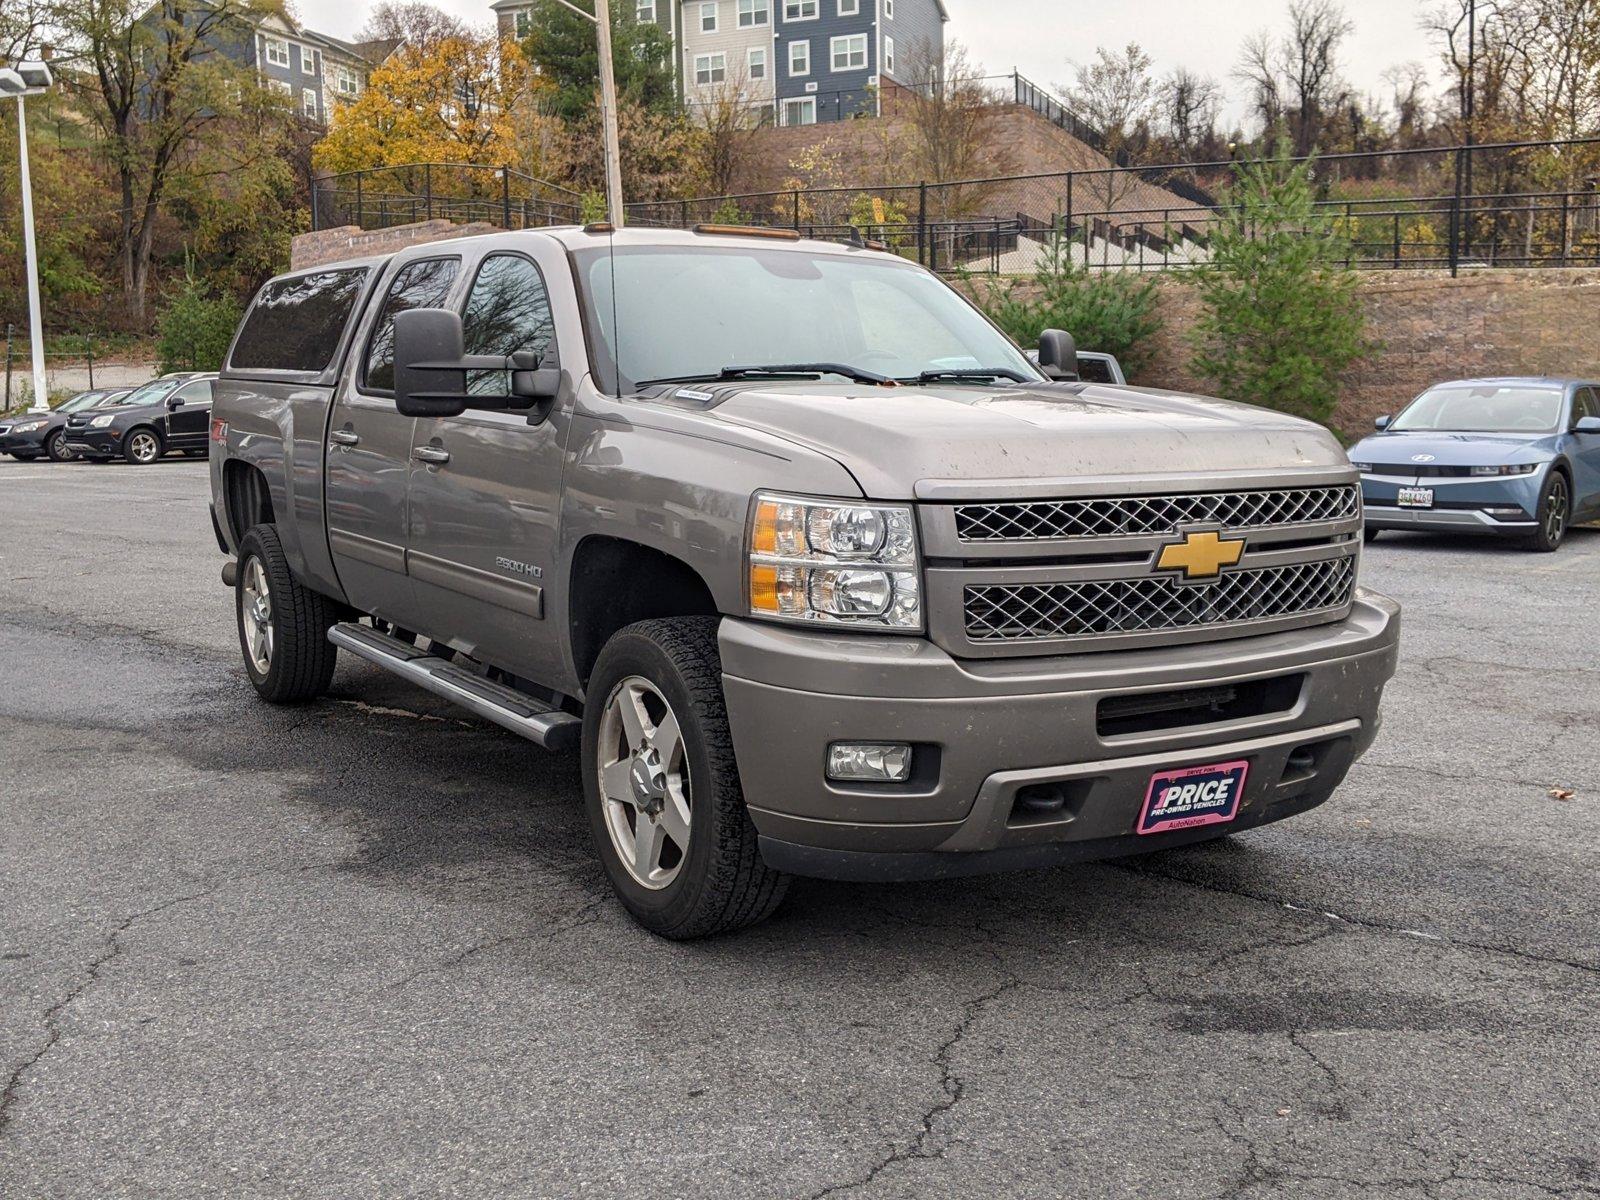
(1193, 796)
(1416, 497)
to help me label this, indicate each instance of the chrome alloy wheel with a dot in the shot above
(644, 783)
(1556, 508)
(255, 616)
(144, 447)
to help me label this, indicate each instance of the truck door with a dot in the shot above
(485, 488)
(369, 450)
(189, 416)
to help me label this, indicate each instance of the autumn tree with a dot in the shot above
(1116, 95)
(167, 105)
(949, 118)
(726, 118)
(563, 52)
(1187, 107)
(450, 102)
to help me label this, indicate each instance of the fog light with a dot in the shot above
(869, 762)
(1506, 514)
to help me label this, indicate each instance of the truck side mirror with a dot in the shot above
(536, 380)
(1058, 355)
(430, 380)
(1382, 423)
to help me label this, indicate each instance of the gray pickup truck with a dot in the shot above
(817, 571)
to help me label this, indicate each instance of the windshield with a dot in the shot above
(151, 393)
(1485, 408)
(694, 311)
(86, 400)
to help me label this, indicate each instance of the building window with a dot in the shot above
(799, 58)
(710, 68)
(757, 61)
(524, 23)
(646, 11)
(281, 86)
(888, 55)
(800, 10)
(850, 53)
(849, 8)
(277, 52)
(708, 18)
(800, 112)
(754, 13)
(308, 103)
(888, 9)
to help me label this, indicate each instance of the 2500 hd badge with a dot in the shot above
(833, 580)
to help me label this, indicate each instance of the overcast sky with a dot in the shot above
(1039, 37)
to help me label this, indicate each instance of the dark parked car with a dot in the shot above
(166, 414)
(40, 435)
(1515, 457)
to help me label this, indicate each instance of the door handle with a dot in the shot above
(436, 455)
(345, 437)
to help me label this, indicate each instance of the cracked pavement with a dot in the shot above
(363, 948)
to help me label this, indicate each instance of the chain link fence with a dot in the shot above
(66, 372)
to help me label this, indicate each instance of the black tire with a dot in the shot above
(299, 660)
(1554, 515)
(1370, 535)
(721, 882)
(143, 446)
(56, 447)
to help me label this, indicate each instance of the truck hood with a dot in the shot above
(933, 442)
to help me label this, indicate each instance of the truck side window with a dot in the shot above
(423, 284)
(507, 311)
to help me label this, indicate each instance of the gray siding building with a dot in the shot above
(834, 57)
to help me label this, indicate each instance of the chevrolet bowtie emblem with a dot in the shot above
(1201, 555)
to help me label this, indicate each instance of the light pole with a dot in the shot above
(29, 79)
(601, 18)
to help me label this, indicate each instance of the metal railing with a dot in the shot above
(382, 197)
(1400, 209)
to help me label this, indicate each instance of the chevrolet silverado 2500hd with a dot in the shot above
(817, 571)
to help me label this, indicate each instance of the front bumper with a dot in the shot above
(95, 441)
(1506, 507)
(1003, 735)
(32, 442)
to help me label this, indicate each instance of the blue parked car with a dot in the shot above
(1514, 457)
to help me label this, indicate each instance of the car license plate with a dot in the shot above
(1416, 497)
(1193, 796)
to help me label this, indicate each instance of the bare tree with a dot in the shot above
(1294, 78)
(419, 24)
(727, 116)
(1189, 107)
(23, 26)
(1116, 94)
(949, 118)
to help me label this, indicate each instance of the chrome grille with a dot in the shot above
(1131, 516)
(1019, 611)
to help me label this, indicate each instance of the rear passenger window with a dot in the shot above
(296, 323)
(194, 393)
(424, 284)
(508, 311)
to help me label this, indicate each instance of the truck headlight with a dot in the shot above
(834, 562)
(102, 422)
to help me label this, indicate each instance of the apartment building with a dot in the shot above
(793, 62)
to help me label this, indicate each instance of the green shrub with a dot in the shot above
(197, 328)
(728, 213)
(1280, 319)
(1113, 312)
(593, 209)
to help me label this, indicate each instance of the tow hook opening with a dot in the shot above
(1047, 804)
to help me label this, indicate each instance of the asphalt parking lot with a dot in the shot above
(363, 948)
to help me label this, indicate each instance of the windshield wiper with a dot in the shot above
(971, 373)
(783, 371)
